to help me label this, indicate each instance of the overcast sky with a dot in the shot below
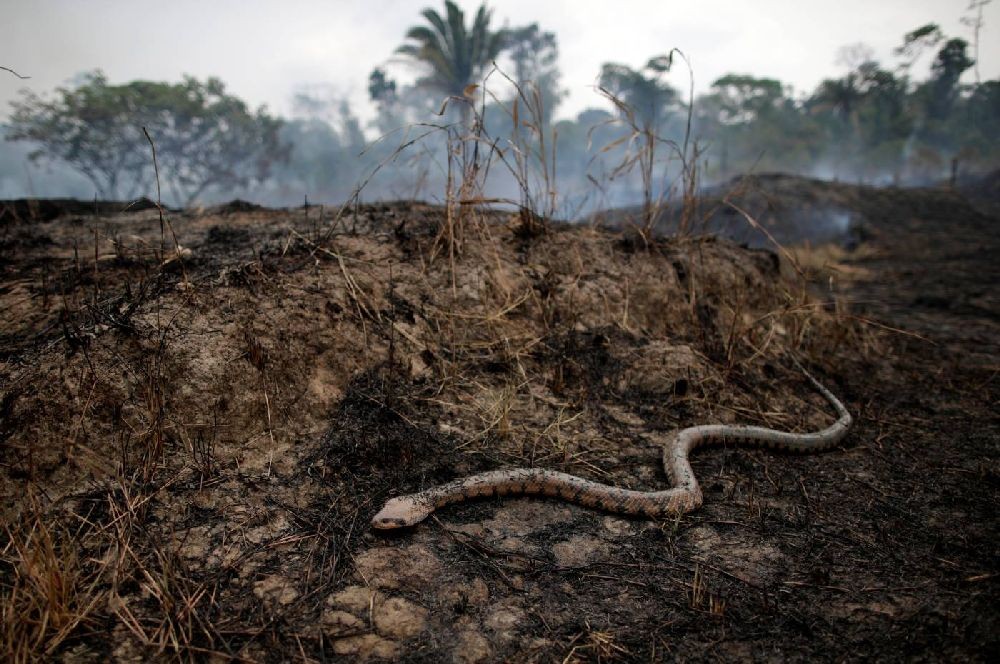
(265, 50)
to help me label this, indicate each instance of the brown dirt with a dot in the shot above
(192, 442)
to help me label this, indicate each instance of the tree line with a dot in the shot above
(875, 123)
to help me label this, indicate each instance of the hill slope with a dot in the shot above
(193, 440)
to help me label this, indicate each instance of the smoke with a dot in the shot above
(327, 162)
(20, 177)
(332, 152)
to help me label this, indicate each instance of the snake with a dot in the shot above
(684, 494)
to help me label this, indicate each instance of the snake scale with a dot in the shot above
(683, 496)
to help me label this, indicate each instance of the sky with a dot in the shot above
(267, 50)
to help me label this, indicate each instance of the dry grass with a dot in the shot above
(595, 646)
(50, 590)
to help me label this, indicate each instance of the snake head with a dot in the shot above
(401, 512)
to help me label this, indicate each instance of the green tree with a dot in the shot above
(976, 125)
(934, 101)
(454, 56)
(393, 104)
(582, 168)
(87, 128)
(916, 42)
(323, 162)
(643, 101)
(643, 90)
(837, 104)
(753, 123)
(842, 97)
(946, 70)
(535, 55)
(204, 137)
(741, 99)
(885, 119)
(381, 88)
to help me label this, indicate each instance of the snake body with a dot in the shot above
(684, 495)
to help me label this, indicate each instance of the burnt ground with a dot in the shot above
(198, 420)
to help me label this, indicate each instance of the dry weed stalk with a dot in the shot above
(641, 142)
(202, 446)
(154, 437)
(700, 598)
(534, 162)
(257, 357)
(179, 252)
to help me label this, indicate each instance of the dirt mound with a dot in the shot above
(790, 209)
(787, 208)
(47, 209)
(234, 206)
(983, 192)
(986, 186)
(197, 424)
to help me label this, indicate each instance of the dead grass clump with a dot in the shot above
(49, 590)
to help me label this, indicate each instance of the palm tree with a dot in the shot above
(843, 97)
(455, 55)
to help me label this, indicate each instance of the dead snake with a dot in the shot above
(683, 496)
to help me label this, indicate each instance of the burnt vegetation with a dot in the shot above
(202, 408)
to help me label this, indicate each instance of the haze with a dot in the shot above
(265, 51)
